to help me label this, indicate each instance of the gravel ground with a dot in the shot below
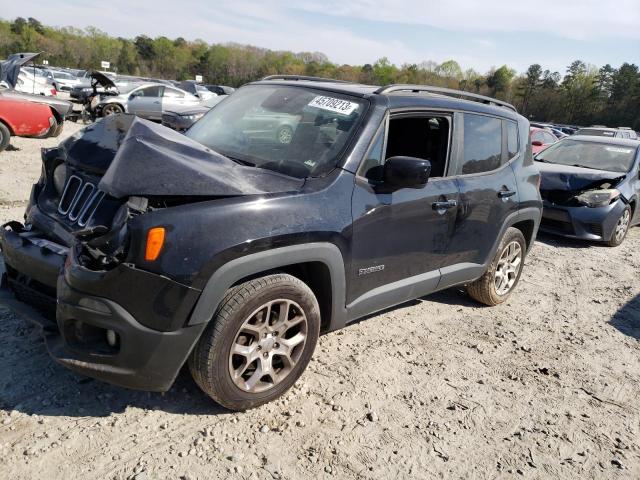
(544, 386)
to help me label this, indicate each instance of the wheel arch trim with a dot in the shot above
(235, 270)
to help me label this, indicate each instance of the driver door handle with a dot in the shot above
(506, 193)
(447, 204)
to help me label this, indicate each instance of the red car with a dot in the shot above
(541, 139)
(22, 118)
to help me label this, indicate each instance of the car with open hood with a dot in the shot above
(10, 74)
(143, 249)
(590, 187)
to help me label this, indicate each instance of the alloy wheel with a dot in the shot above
(508, 268)
(268, 345)
(110, 110)
(622, 225)
(285, 135)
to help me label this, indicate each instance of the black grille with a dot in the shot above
(596, 229)
(557, 225)
(79, 200)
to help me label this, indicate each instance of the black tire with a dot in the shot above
(111, 109)
(616, 240)
(5, 136)
(210, 360)
(55, 132)
(284, 136)
(484, 289)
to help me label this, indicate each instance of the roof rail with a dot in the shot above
(443, 91)
(303, 77)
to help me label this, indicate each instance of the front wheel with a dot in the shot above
(111, 109)
(258, 343)
(5, 136)
(621, 229)
(502, 276)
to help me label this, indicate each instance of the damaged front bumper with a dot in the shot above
(584, 223)
(89, 319)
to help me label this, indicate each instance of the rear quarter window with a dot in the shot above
(482, 144)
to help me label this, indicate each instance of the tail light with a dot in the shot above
(53, 92)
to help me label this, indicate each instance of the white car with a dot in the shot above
(64, 81)
(32, 82)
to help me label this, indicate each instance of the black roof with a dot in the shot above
(394, 99)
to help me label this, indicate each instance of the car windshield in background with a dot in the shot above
(296, 131)
(600, 156)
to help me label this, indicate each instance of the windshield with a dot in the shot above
(293, 130)
(600, 156)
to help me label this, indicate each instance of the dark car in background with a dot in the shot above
(590, 187)
(231, 251)
(220, 89)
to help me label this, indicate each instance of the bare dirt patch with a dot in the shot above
(544, 386)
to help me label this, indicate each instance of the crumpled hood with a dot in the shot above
(142, 158)
(10, 68)
(565, 177)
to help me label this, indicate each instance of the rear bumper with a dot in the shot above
(584, 223)
(141, 357)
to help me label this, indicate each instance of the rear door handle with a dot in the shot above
(506, 193)
(446, 205)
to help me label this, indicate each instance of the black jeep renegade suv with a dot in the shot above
(293, 208)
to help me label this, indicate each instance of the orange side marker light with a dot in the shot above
(155, 241)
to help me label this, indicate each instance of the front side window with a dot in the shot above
(482, 150)
(297, 131)
(421, 136)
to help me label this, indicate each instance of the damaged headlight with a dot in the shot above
(193, 117)
(598, 198)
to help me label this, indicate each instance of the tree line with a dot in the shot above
(584, 95)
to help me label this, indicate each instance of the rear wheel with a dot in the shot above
(503, 274)
(5, 136)
(258, 343)
(621, 228)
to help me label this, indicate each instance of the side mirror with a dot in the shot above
(405, 172)
(537, 143)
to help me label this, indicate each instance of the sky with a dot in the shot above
(477, 34)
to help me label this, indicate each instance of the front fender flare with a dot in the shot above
(235, 270)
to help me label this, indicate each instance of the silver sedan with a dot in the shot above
(147, 100)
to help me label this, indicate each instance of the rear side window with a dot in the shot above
(482, 144)
(512, 138)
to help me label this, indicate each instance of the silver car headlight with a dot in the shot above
(598, 198)
(197, 116)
